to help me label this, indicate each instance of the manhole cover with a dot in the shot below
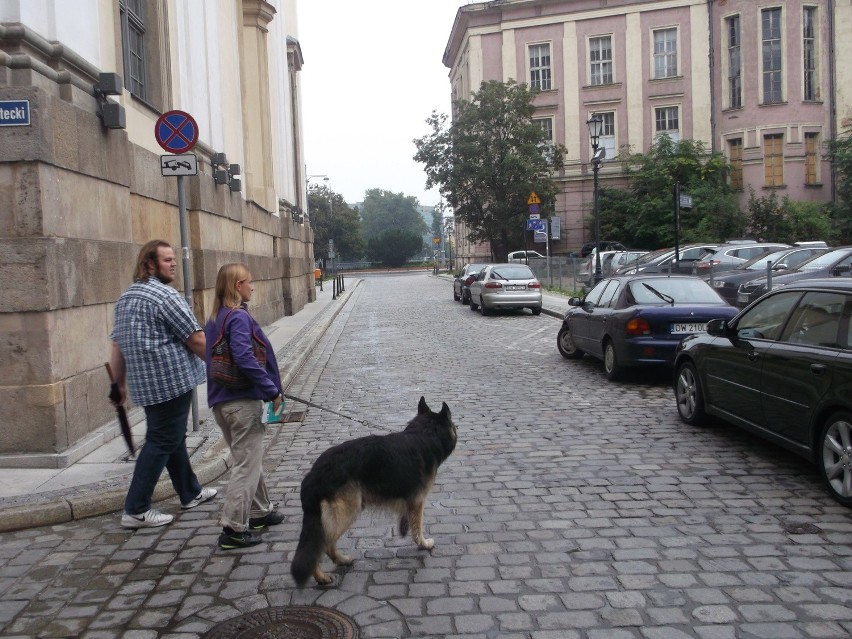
(287, 622)
(803, 529)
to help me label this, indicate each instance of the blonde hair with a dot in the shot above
(146, 261)
(227, 295)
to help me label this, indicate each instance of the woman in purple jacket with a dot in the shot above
(238, 411)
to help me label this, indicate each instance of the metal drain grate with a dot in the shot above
(287, 622)
(802, 529)
(295, 416)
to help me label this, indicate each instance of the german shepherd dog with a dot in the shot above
(394, 472)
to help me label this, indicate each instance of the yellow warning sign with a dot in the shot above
(534, 198)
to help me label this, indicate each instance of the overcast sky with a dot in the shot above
(372, 75)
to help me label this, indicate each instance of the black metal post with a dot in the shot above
(596, 165)
(677, 226)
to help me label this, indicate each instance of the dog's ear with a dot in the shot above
(445, 412)
(422, 408)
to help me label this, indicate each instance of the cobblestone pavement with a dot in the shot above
(572, 508)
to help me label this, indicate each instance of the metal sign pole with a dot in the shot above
(187, 283)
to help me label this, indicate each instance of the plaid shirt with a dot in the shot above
(152, 324)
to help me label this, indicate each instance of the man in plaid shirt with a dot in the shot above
(156, 346)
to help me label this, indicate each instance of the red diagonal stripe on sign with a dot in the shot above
(176, 132)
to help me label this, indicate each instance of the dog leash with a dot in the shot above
(363, 422)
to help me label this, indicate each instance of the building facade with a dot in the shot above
(82, 187)
(753, 79)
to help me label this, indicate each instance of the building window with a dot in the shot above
(735, 75)
(772, 56)
(809, 53)
(811, 158)
(607, 139)
(735, 157)
(546, 125)
(600, 56)
(773, 160)
(132, 16)
(665, 53)
(667, 122)
(540, 67)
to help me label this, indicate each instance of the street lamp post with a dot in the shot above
(330, 225)
(595, 124)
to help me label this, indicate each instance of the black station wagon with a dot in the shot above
(781, 369)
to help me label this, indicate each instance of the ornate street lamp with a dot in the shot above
(595, 124)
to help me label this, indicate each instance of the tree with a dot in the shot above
(487, 162)
(331, 217)
(643, 214)
(789, 220)
(384, 210)
(394, 246)
(840, 156)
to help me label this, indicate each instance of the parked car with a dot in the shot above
(663, 260)
(729, 256)
(831, 264)
(522, 257)
(499, 286)
(606, 245)
(461, 283)
(611, 261)
(781, 369)
(638, 320)
(726, 284)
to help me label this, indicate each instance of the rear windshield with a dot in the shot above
(681, 290)
(512, 272)
(653, 255)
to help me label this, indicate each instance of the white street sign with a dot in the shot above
(174, 165)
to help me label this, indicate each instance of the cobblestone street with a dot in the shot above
(572, 507)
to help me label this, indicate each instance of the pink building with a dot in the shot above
(753, 79)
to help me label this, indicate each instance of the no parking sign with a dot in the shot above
(176, 131)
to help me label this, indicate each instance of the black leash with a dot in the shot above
(364, 422)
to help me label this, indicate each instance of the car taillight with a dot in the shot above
(534, 285)
(493, 285)
(638, 326)
(469, 280)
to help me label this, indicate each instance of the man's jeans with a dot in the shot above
(165, 447)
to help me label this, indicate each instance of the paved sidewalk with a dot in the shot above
(96, 484)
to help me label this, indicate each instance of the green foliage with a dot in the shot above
(384, 210)
(643, 214)
(840, 155)
(330, 218)
(487, 162)
(393, 247)
(788, 221)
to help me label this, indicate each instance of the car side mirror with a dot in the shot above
(781, 266)
(717, 327)
(575, 301)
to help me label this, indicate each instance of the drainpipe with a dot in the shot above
(712, 78)
(832, 95)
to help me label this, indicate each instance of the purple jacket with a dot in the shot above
(266, 382)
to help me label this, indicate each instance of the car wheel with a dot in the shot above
(536, 310)
(456, 296)
(483, 309)
(834, 456)
(689, 396)
(612, 368)
(566, 345)
(465, 298)
(473, 306)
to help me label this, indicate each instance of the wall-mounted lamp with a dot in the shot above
(111, 114)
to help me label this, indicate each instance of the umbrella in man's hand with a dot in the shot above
(115, 396)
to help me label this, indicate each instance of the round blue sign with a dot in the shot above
(176, 131)
(534, 208)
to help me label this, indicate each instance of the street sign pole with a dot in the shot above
(187, 282)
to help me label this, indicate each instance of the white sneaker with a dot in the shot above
(206, 494)
(149, 519)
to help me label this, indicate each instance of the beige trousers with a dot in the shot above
(246, 495)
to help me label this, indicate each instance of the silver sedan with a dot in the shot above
(500, 286)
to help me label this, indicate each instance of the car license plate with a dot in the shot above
(516, 287)
(742, 298)
(689, 327)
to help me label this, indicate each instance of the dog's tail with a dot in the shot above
(310, 548)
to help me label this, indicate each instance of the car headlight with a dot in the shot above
(718, 284)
